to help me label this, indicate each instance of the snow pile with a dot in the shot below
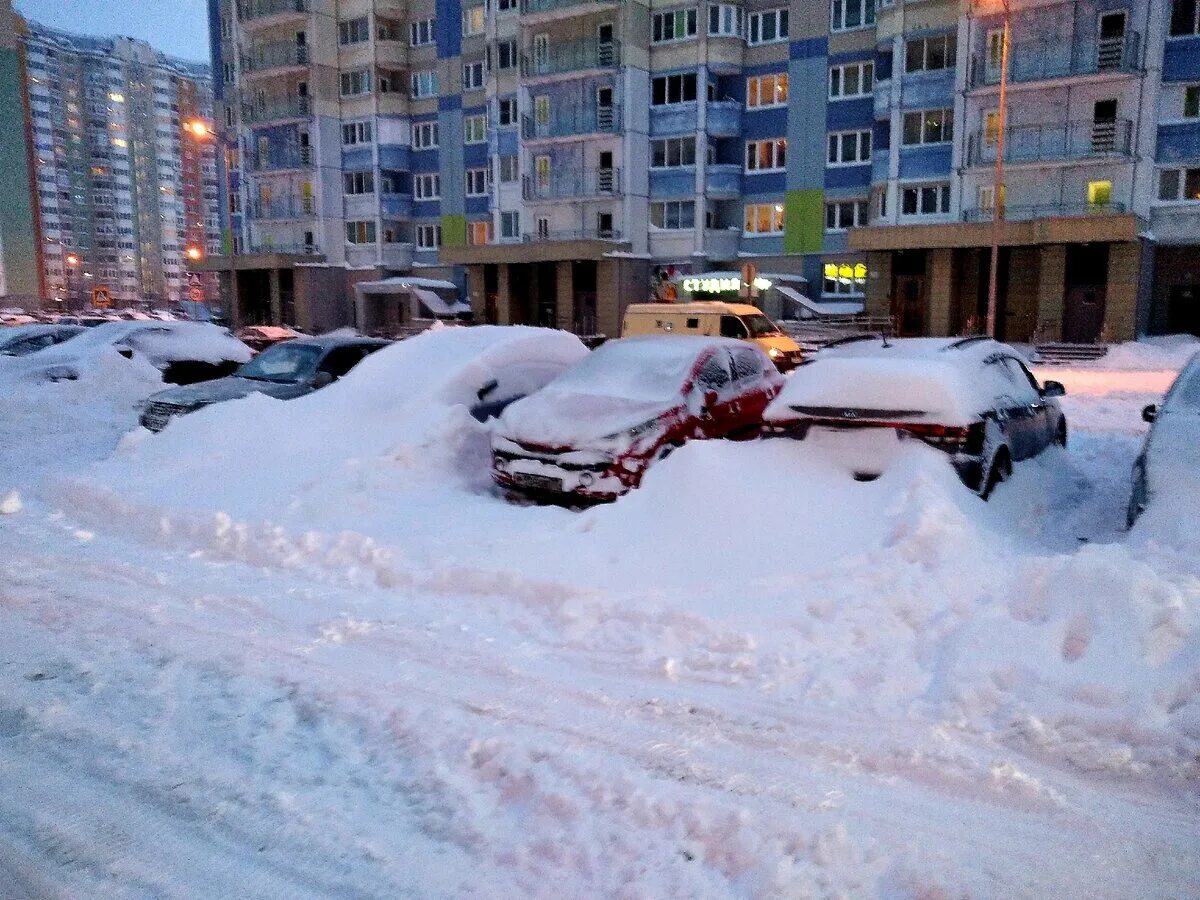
(1170, 352)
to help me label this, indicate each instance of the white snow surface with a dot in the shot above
(304, 649)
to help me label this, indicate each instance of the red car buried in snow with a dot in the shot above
(591, 433)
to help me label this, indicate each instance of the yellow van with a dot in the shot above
(712, 318)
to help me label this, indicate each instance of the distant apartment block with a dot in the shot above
(557, 160)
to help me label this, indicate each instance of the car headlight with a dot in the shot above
(775, 353)
(636, 431)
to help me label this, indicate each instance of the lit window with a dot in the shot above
(764, 91)
(764, 218)
(1099, 193)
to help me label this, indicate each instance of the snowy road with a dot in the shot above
(934, 698)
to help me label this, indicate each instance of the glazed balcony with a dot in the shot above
(568, 7)
(570, 184)
(1106, 138)
(281, 209)
(271, 57)
(276, 110)
(1055, 59)
(254, 13)
(595, 120)
(1029, 212)
(576, 56)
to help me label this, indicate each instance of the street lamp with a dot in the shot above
(998, 175)
(72, 262)
(202, 131)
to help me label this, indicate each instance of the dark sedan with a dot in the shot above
(284, 371)
(1170, 458)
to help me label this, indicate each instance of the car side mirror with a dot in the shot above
(322, 379)
(127, 353)
(710, 400)
(1053, 389)
(487, 389)
(1150, 413)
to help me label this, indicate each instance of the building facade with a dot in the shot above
(125, 176)
(559, 159)
(20, 264)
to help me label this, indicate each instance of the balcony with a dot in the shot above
(576, 56)
(595, 120)
(267, 246)
(723, 118)
(569, 184)
(281, 209)
(1029, 212)
(722, 243)
(1104, 138)
(274, 56)
(262, 12)
(538, 7)
(723, 180)
(283, 159)
(276, 110)
(1053, 59)
(585, 234)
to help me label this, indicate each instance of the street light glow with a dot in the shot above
(198, 127)
(194, 253)
(72, 259)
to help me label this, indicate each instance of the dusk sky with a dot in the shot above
(177, 27)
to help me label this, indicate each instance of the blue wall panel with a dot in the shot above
(1178, 143)
(767, 183)
(448, 28)
(844, 114)
(848, 176)
(926, 162)
(1181, 59)
(672, 182)
(927, 89)
(357, 159)
(765, 123)
(392, 156)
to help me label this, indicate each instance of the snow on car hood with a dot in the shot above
(231, 388)
(937, 389)
(555, 418)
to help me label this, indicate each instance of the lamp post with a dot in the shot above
(72, 262)
(200, 130)
(998, 175)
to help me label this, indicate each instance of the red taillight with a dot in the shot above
(944, 436)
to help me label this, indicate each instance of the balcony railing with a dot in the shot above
(529, 7)
(274, 56)
(575, 56)
(596, 120)
(1026, 212)
(1061, 141)
(276, 110)
(1043, 60)
(271, 247)
(597, 183)
(291, 157)
(282, 208)
(585, 234)
(248, 10)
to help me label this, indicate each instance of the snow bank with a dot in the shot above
(1150, 354)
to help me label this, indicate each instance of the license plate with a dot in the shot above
(537, 482)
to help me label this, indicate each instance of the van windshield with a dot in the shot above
(760, 326)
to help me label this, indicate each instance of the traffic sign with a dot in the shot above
(196, 294)
(101, 296)
(749, 276)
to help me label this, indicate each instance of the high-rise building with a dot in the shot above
(20, 267)
(559, 159)
(126, 182)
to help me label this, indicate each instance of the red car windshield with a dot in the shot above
(634, 371)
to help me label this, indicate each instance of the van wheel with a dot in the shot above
(1000, 470)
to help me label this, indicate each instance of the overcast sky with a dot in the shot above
(177, 27)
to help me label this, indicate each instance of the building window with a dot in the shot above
(763, 91)
(421, 33)
(356, 83)
(424, 84)
(356, 133)
(724, 20)
(427, 186)
(473, 73)
(388, 31)
(507, 5)
(925, 200)
(766, 27)
(851, 80)
(849, 148)
(429, 237)
(508, 111)
(359, 182)
(541, 109)
(675, 25)
(475, 129)
(354, 31)
(506, 55)
(766, 156)
(666, 89)
(425, 135)
(1191, 101)
(673, 215)
(847, 14)
(477, 182)
(987, 198)
(360, 232)
(928, 126)
(1099, 193)
(844, 279)
(510, 224)
(1185, 18)
(473, 20)
(844, 214)
(669, 153)
(1179, 185)
(930, 54)
(479, 233)
(764, 218)
(509, 169)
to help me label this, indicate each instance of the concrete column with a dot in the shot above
(1052, 286)
(1120, 313)
(476, 295)
(1020, 301)
(941, 283)
(879, 284)
(503, 296)
(564, 290)
(608, 297)
(276, 297)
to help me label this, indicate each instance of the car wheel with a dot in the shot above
(1000, 470)
(746, 433)
(1060, 436)
(1137, 496)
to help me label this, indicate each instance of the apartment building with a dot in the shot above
(126, 183)
(20, 265)
(555, 160)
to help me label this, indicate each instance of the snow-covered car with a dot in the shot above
(1169, 462)
(25, 339)
(284, 371)
(592, 433)
(972, 398)
(260, 337)
(183, 352)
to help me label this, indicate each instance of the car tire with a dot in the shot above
(999, 471)
(1060, 436)
(1137, 496)
(747, 433)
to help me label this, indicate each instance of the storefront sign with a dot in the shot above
(701, 285)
